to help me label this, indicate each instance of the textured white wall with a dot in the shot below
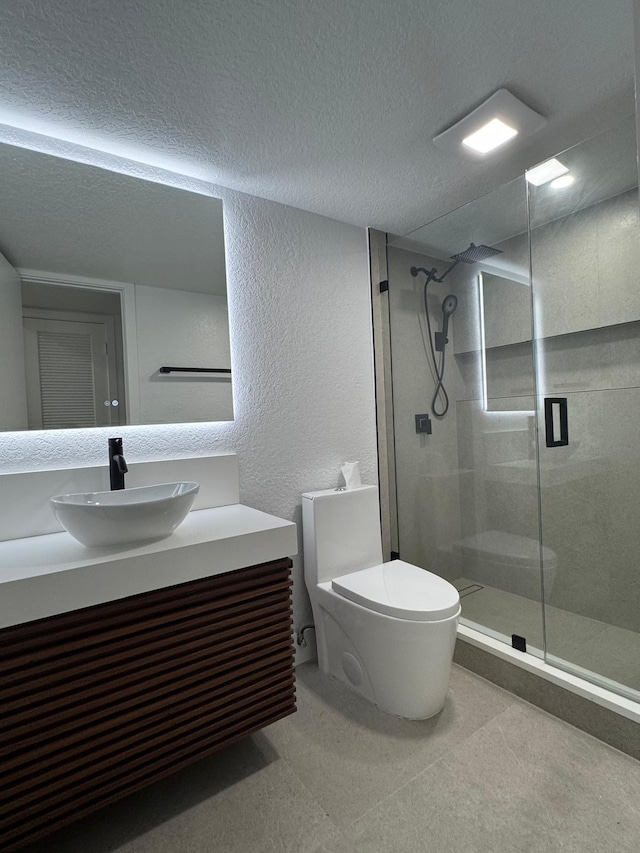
(301, 351)
(13, 400)
(175, 327)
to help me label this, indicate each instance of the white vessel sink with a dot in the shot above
(126, 516)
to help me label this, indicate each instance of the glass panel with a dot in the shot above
(467, 491)
(585, 256)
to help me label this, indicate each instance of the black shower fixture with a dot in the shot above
(476, 253)
(449, 305)
(471, 255)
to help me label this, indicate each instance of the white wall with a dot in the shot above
(13, 400)
(182, 329)
(301, 350)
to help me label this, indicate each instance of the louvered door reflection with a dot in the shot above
(67, 374)
(100, 702)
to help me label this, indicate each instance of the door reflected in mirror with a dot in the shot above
(104, 280)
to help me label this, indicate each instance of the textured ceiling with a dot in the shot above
(326, 105)
(603, 166)
(70, 218)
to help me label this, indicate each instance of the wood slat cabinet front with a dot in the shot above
(99, 702)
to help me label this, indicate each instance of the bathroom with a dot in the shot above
(300, 324)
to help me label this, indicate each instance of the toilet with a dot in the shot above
(506, 561)
(387, 630)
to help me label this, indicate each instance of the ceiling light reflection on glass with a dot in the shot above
(562, 182)
(546, 172)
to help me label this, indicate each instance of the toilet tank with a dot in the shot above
(341, 532)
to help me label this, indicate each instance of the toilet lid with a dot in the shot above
(507, 548)
(402, 590)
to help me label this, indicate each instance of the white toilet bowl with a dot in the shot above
(387, 630)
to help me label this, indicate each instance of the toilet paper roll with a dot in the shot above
(351, 474)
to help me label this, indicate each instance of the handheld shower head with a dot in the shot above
(449, 305)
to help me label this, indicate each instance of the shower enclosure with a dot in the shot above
(521, 485)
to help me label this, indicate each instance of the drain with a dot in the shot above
(467, 590)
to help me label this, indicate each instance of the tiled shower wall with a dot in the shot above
(478, 471)
(585, 271)
(427, 468)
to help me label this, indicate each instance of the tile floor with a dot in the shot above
(594, 646)
(489, 773)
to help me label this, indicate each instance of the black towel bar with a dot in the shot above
(195, 370)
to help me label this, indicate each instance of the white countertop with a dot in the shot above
(44, 575)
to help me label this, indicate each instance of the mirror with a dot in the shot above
(507, 350)
(506, 310)
(113, 303)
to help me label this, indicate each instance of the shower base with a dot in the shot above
(591, 649)
(612, 718)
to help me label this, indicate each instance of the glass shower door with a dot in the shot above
(585, 268)
(464, 411)
(515, 357)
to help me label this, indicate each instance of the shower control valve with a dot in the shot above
(423, 424)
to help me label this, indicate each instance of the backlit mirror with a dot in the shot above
(113, 303)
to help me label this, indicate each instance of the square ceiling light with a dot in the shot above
(491, 126)
(490, 136)
(546, 172)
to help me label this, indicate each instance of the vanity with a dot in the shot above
(121, 665)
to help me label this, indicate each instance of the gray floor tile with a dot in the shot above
(269, 813)
(490, 774)
(350, 755)
(524, 783)
(243, 799)
(590, 791)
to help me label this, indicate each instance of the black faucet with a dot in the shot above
(117, 464)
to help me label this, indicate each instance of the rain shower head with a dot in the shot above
(475, 253)
(470, 256)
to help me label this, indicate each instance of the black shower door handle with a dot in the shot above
(549, 405)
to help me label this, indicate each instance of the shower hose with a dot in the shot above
(440, 390)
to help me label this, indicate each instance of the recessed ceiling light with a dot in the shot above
(490, 136)
(500, 118)
(562, 182)
(545, 172)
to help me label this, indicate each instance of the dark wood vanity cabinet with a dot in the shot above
(99, 702)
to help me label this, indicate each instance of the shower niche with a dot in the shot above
(539, 534)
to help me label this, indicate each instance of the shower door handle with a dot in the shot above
(551, 406)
